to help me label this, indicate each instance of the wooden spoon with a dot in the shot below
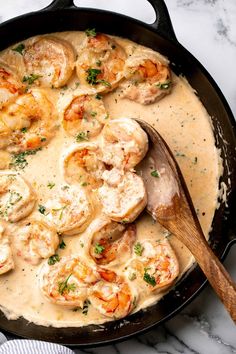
(169, 203)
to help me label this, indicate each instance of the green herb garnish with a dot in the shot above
(98, 249)
(91, 32)
(50, 185)
(81, 136)
(19, 49)
(31, 78)
(62, 245)
(98, 97)
(41, 209)
(155, 173)
(164, 85)
(19, 161)
(63, 286)
(149, 278)
(132, 276)
(53, 259)
(85, 307)
(98, 63)
(23, 130)
(92, 76)
(138, 249)
(93, 114)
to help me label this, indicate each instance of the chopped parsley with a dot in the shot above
(42, 209)
(43, 139)
(61, 211)
(98, 97)
(63, 286)
(93, 114)
(98, 63)
(98, 249)
(84, 184)
(53, 259)
(91, 32)
(138, 249)
(155, 173)
(92, 76)
(19, 49)
(31, 78)
(85, 307)
(62, 245)
(81, 136)
(19, 161)
(164, 85)
(50, 185)
(23, 130)
(132, 276)
(149, 278)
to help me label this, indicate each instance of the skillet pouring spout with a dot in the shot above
(170, 204)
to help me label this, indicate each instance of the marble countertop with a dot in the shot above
(207, 28)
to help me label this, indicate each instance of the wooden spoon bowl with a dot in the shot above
(170, 204)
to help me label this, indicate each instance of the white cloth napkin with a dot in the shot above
(24, 346)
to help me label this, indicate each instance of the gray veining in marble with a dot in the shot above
(207, 28)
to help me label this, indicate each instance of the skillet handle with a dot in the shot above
(60, 4)
(163, 24)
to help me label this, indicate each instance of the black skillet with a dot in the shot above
(62, 15)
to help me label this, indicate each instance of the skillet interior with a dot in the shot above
(225, 134)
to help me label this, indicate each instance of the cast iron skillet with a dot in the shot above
(62, 15)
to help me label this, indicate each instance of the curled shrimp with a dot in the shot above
(67, 282)
(10, 85)
(30, 121)
(81, 164)
(17, 197)
(124, 201)
(124, 143)
(155, 267)
(148, 77)
(51, 59)
(35, 240)
(100, 63)
(112, 296)
(71, 211)
(112, 242)
(83, 114)
(6, 257)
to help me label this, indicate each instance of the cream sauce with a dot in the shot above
(186, 126)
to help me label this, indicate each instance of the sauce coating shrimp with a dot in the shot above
(30, 121)
(17, 197)
(51, 59)
(81, 163)
(100, 63)
(67, 281)
(124, 143)
(71, 211)
(112, 296)
(10, 85)
(112, 242)
(35, 240)
(125, 201)
(6, 257)
(156, 267)
(148, 77)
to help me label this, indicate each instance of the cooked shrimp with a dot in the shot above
(112, 296)
(17, 197)
(10, 85)
(67, 281)
(50, 58)
(156, 267)
(6, 257)
(71, 211)
(125, 201)
(30, 120)
(81, 163)
(35, 240)
(124, 143)
(148, 77)
(112, 242)
(84, 114)
(100, 63)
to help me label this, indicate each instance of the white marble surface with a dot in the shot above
(208, 29)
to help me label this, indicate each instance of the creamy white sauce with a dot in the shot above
(185, 125)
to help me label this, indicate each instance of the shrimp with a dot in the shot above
(67, 282)
(30, 121)
(148, 77)
(10, 85)
(35, 240)
(84, 114)
(71, 211)
(6, 257)
(81, 163)
(51, 59)
(112, 242)
(125, 201)
(100, 63)
(112, 296)
(17, 197)
(156, 267)
(124, 143)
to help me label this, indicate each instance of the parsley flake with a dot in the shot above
(63, 286)
(98, 249)
(19, 49)
(149, 278)
(50, 185)
(42, 209)
(138, 249)
(31, 78)
(81, 136)
(155, 173)
(91, 32)
(53, 259)
(62, 245)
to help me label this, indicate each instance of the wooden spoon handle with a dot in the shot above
(215, 272)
